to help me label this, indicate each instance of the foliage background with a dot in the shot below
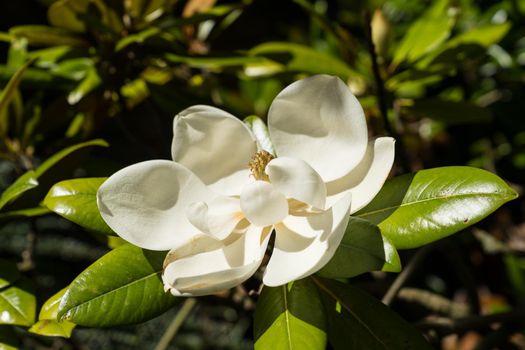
(112, 72)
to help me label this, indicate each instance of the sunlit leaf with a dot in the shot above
(21, 185)
(48, 324)
(125, 283)
(76, 200)
(290, 317)
(416, 209)
(425, 34)
(18, 304)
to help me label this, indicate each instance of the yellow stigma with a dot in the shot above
(258, 164)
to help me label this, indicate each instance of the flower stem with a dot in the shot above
(176, 323)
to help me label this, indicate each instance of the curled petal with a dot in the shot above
(296, 179)
(215, 145)
(200, 273)
(262, 204)
(218, 218)
(296, 254)
(365, 181)
(146, 203)
(319, 121)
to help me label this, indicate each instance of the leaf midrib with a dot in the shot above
(20, 312)
(72, 309)
(347, 308)
(373, 212)
(287, 318)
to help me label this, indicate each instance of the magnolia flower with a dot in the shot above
(215, 206)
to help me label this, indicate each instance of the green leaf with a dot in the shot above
(137, 38)
(76, 200)
(46, 36)
(358, 321)
(260, 131)
(18, 304)
(47, 319)
(298, 58)
(290, 317)
(449, 112)
(122, 287)
(53, 169)
(23, 213)
(415, 209)
(61, 155)
(24, 183)
(425, 34)
(362, 249)
(63, 14)
(483, 37)
(88, 84)
(213, 63)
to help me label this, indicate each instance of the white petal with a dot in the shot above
(146, 203)
(296, 179)
(262, 204)
(365, 181)
(218, 217)
(319, 121)
(296, 256)
(201, 273)
(215, 145)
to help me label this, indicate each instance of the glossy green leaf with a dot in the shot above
(416, 209)
(362, 249)
(88, 84)
(24, 183)
(450, 112)
(48, 324)
(356, 320)
(9, 273)
(299, 58)
(425, 34)
(290, 317)
(76, 200)
(46, 36)
(8, 339)
(18, 304)
(125, 283)
(260, 131)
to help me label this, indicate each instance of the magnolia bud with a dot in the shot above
(380, 32)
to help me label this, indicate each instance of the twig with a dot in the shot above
(175, 325)
(434, 302)
(445, 325)
(407, 272)
(382, 95)
(380, 86)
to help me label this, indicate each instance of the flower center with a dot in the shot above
(258, 164)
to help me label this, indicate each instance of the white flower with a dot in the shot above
(215, 214)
